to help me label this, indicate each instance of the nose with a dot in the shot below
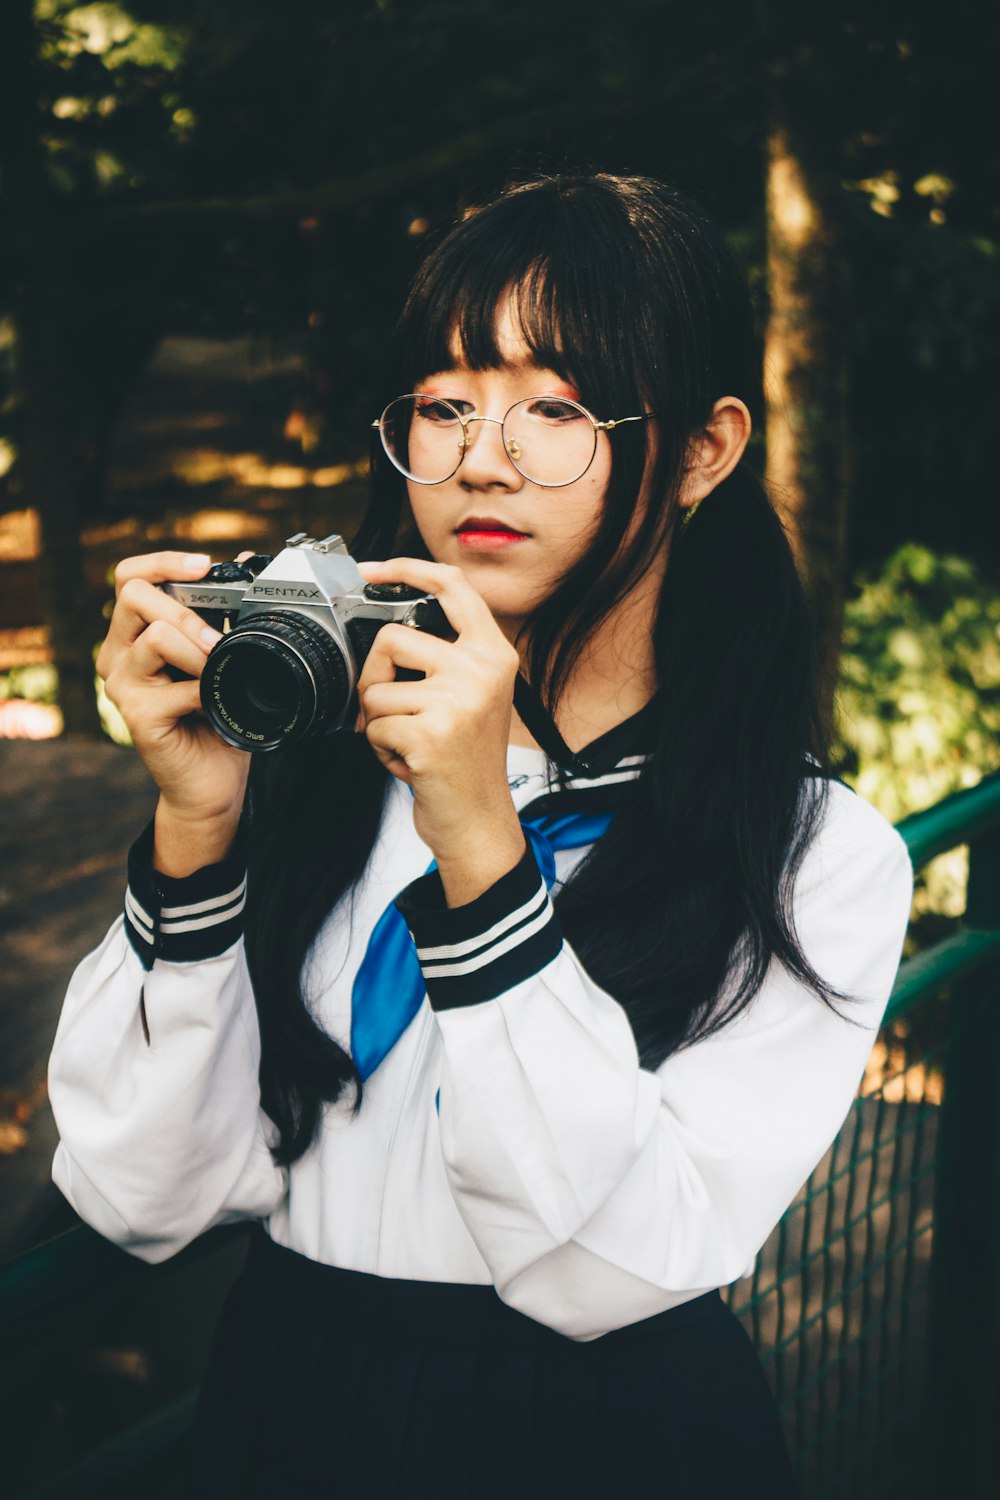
(485, 462)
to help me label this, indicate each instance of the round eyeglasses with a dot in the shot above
(550, 440)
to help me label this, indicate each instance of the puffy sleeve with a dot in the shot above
(598, 1192)
(153, 1073)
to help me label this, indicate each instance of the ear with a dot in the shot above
(715, 449)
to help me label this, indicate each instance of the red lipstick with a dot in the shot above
(487, 534)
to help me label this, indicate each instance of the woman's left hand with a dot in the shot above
(446, 736)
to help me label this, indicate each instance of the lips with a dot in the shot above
(486, 526)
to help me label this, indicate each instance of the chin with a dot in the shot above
(507, 596)
(502, 600)
(512, 615)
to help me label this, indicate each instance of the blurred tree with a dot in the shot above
(84, 323)
(853, 101)
(807, 364)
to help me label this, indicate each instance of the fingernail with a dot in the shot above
(197, 562)
(209, 636)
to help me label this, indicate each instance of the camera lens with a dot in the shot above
(271, 690)
(273, 679)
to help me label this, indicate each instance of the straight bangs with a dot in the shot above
(534, 271)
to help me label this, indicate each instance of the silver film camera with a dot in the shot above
(298, 630)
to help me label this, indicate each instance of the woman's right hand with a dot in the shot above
(202, 780)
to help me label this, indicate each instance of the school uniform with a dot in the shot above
(503, 1271)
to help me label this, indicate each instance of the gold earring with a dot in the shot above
(690, 512)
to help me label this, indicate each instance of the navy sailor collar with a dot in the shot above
(602, 771)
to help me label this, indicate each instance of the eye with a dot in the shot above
(554, 411)
(439, 411)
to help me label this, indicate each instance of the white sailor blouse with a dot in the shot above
(508, 1134)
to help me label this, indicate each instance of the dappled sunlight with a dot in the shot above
(20, 719)
(943, 884)
(28, 647)
(112, 723)
(108, 31)
(887, 1073)
(20, 536)
(211, 465)
(220, 526)
(16, 1110)
(790, 200)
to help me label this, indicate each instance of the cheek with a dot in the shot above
(429, 518)
(575, 513)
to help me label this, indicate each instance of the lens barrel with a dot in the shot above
(273, 679)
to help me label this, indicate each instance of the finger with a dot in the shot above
(162, 567)
(176, 700)
(141, 602)
(162, 643)
(139, 605)
(391, 737)
(402, 646)
(170, 702)
(453, 591)
(388, 698)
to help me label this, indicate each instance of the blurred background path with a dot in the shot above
(68, 812)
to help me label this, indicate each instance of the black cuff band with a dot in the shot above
(183, 920)
(473, 953)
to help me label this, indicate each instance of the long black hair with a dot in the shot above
(625, 288)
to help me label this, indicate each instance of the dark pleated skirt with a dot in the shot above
(338, 1384)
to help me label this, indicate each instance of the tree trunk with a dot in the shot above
(81, 336)
(54, 454)
(806, 375)
(57, 457)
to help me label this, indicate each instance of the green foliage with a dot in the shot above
(36, 684)
(110, 118)
(40, 684)
(919, 694)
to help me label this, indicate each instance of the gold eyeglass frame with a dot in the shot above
(508, 443)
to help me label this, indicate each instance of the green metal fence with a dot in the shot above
(875, 1305)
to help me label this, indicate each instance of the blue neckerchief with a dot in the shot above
(389, 988)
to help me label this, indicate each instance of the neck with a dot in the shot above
(615, 676)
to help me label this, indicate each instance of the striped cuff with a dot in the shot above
(473, 953)
(185, 920)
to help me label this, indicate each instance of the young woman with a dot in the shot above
(518, 1033)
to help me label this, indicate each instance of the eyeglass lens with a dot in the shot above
(548, 440)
